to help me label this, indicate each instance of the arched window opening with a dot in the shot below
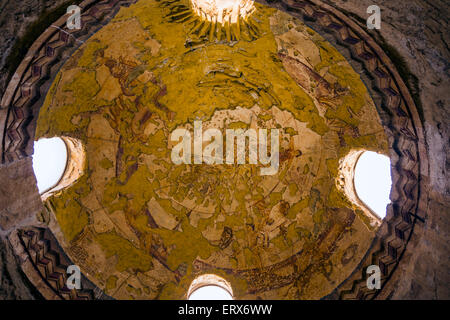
(365, 178)
(57, 163)
(373, 181)
(49, 162)
(210, 293)
(210, 287)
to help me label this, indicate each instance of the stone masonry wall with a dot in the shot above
(15, 17)
(418, 30)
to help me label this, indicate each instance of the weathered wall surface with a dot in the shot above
(418, 30)
(13, 284)
(15, 17)
(15, 207)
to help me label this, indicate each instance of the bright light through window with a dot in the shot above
(373, 181)
(223, 10)
(210, 293)
(49, 162)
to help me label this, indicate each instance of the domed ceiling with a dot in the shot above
(142, 227)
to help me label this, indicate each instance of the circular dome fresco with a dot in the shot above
(143, 226)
